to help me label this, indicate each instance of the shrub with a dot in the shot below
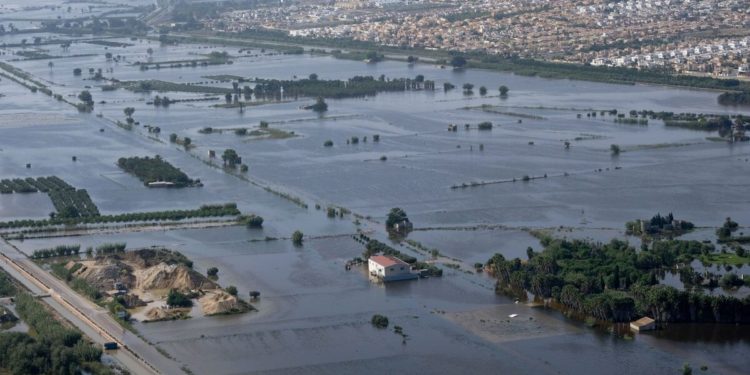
(379, 321)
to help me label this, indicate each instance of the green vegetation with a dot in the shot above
(614, 149)
(229, 209)
(297, 237)
(57, 251)
(252, 221)
(155, 169)
(486, 125)
(396, 216)
(230, 158)
(7, 287)
(615, 282)
(79, 285)
(68, 202)
(177, 299)
(631, 121)
(319, 106)
(232, 290)
(53, 348)
(379, 321)
(212, 272)
(658, 225)
(358, 86)
(163, 86)
(725, 231)
(735, 98)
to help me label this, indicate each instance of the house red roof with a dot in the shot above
(386, 260)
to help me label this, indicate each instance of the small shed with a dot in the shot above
(643, 324)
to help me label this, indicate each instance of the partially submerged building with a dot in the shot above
(643, 324)
(388, 268)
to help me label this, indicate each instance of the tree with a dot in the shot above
(320, 105)
(379, 321)
(232, 290)
(411, 59)
(186, 142)
(328, 143)
(313, 77)
(483, 91)
(86, 98)
(129, 111)
(230, 158)
(177, 299)
(504, 90)
(254, 221)
(173, 137)
(395, 216)
(297, 237)
(228, 97)
(212, 272)
(254, 294)
(615, 149)
(458, 61)
(77, 71)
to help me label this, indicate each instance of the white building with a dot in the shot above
(389, 268)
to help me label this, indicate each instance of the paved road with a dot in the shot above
(136, 354)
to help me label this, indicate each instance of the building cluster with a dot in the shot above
(699, 36)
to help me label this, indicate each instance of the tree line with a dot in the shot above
(55, 349)
(229, 209)
(615, 282)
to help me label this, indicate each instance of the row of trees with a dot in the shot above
(615, 282)
(358, 86)
(229, 209)
(57, 251)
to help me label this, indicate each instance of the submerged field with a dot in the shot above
(313, 315)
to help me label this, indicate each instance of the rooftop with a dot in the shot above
(643, 321)
(386, 260)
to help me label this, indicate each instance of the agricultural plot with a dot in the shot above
(68, 201)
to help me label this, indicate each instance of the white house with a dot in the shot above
(389, 268)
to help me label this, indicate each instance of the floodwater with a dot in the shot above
(313, 314)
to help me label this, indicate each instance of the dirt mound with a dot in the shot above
(220, 302)
(131, 300)
(157, 314)
(149, 257)
(104, 273)
(165, 276)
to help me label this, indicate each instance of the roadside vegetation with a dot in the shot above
(50, 347)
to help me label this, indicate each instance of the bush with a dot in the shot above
(297, 237)
(177, 299)
(379, 321)
(232, 290)
(212, 272)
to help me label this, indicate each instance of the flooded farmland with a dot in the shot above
(464, 191)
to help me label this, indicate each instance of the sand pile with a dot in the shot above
(156, 314)
(165, 276)
(103, 274)
(219, 302)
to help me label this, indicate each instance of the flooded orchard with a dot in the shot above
(464, 191)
